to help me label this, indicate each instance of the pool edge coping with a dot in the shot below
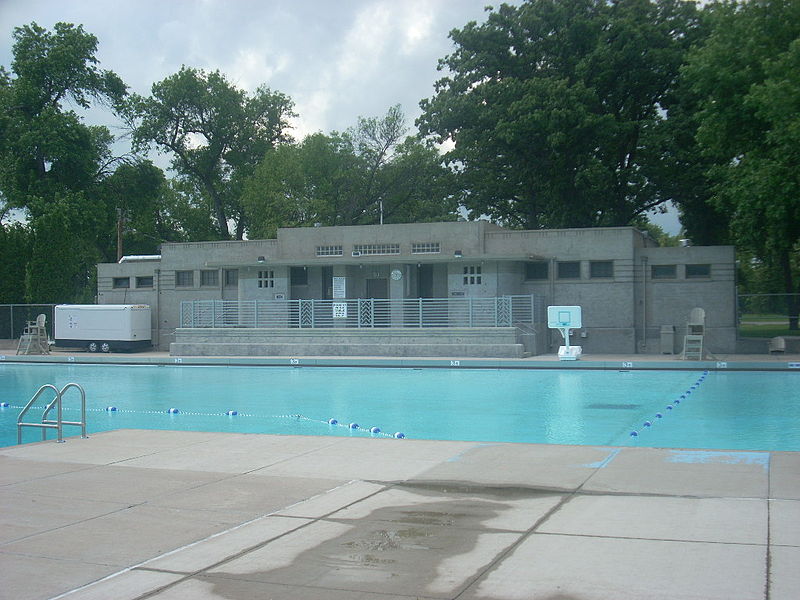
(620, 364)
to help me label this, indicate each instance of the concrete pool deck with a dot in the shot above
(175, 515)
(185, 515)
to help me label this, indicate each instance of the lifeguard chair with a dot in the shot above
(693, 342)
(34, 338)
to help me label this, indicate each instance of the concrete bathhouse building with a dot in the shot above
(457, 288)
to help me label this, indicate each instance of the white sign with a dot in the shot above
(339, 287)
(340, 310)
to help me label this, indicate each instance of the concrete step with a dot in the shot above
(340, 349)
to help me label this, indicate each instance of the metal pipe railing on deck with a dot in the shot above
(501, 311)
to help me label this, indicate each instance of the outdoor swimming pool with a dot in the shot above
(720, 410)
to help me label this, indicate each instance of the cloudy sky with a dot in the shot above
(337, 60)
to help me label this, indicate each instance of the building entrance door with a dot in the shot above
(377, 288)
(425, 281)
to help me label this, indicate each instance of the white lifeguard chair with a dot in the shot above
(34, 338)
(693, 342)
(565, 318)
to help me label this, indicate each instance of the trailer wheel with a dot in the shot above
(105, 347)
(92, 347)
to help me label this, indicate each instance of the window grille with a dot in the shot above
(184, 278)
(601, 269)
(329, 251)
(472, 275)
(266, 279)
(376, 249)
(425, 248)
(209, 278)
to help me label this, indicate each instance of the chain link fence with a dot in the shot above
(14, 317)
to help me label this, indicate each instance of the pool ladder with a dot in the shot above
(59, 422)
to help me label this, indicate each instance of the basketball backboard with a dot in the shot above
(559, 317)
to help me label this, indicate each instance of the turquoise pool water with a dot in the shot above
(724, 410)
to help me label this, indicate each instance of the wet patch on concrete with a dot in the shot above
(435, 547)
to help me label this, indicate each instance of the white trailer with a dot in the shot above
(103, 327)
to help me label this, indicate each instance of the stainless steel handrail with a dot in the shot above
(59, 422)
(81, 423)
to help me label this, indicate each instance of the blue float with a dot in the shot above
(677, 401)
(111, 408)
(333, 422)
(399, 435)
(647, 424)
(353, 425)
(375, 430)
(669, 408)
(173, 411)
(232, 413)
(634, 434)
(3, 404)
(659, 415)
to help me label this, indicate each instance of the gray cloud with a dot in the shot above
(336, 60)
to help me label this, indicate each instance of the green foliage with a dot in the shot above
(51, 162)
(555, 108)
(44, 149)
(347, 179)
(15, 251)
(216, 133)
(747, 79)
(63, 250)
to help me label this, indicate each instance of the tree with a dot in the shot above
(45, 149)
(216, 133)
(554, 108)
(15, 250)
(51, 162)
(133, 194)
(366, 175)
(747, 76)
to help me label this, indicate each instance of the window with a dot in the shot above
(569, 269)
(209, 278)
(698, 271)
(298, 276)
(231, 277)
(376, 249)
(329, 250)
(184, 278)
(144, 282)
(266, 279)
(472, 275)
(601, 268)
(537, 270)
(120, 283)
(663, 271)
(425, 248)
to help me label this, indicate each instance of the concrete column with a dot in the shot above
(397, 286)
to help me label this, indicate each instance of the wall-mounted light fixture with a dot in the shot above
(457, 254)
(261, 259)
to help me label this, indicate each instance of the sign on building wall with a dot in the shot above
(339, 287)
(340, 310)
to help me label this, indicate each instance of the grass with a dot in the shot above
(765, 326)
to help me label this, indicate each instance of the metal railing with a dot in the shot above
(503, 311)
(57, 403)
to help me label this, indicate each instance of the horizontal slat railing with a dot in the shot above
(502, 311)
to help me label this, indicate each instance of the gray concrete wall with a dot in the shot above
(622, 314)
